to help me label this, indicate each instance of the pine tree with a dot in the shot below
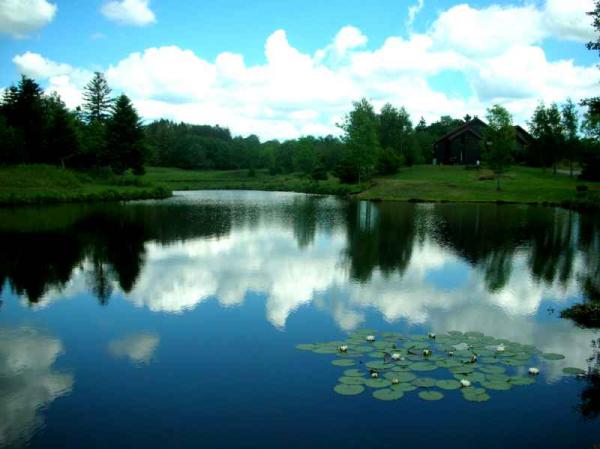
(97, 101)
(124, 138)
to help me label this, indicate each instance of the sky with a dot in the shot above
(283, 69)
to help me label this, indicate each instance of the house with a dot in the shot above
(462, 146)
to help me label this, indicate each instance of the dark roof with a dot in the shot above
(522, 134)
(467, 127)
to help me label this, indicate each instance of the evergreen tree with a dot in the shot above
(125, 138)
(62, 141)
(97, 100)
(499, 141)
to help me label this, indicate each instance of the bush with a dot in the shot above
(389, 163)
(319, 173)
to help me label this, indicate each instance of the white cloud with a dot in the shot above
(65, 80)
(568, 19)
(498, 51)
(20, 17)
(27, 382)
(413, 11)
(138, 348)
(129, 12)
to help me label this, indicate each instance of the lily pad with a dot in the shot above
(492, 369)
(431, 395)
(352, 380)
(500, 386)
(377, 383)
(522, 380)
(305, 347)
(423, 366)
(403, 386)
(348, 390)
(387, 394)
(343, 362)
(574, 371)
(377, 364)
(424, 382)
(448, 384)
(354, 373)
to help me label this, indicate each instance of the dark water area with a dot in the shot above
(174, 323)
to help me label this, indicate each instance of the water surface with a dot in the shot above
(174, 323)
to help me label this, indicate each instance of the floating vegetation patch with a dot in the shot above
(472, 365)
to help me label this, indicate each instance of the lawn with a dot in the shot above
(448, 183)
(33, 184)
(177, 179)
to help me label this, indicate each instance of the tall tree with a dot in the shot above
(125, 138)
(499, 141)
(570, 126)
(595, 45)
(546, 127)
(396, 133)
(62, 141)
(97, 101)
(362, 143)
(23, 108)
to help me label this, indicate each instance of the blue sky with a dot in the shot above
(455, 57)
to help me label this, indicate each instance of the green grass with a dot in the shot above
(35, 184)
(41, 184)
(177, 179)
(456, 184)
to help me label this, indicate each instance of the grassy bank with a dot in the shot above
(177, 179)
(36, 184)
(456, 184)
(44, 184)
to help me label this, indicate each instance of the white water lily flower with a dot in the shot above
(431, 335)
(343, 348)
(473, 358)
(426, 352)
(396, 356)
(534, 371)
(395, 381)
(370, 337)
(450, 353)
(500, 348)
(374, 374)
(465, 383)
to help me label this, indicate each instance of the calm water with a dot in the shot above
(174, 323)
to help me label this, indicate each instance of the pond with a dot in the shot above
(175, 323)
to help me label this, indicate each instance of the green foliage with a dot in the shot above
(395, 133)
(498, 141)
(361, 139)
(595, 45)
(124, 138)
(570, 128)
(97, 101)
(546, 126)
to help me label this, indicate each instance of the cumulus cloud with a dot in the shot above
(413, 11)
(129, 12)
(497, 50)
(138, 348)
(27, 382)
(20, 17)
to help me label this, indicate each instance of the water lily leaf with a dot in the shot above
(464, 369)
(377, 383)
(552, 356)
(522, 380)
(492, 369)
(430, 395)
(424, 382)
(352, 380)
(574, 371)
(388, 394)
(455, 333)
(474, 334)
(348, 390)
(403, 386)
(364, 348)
(423, 366)
(305, 347)
(475, 397)
(353, 373)
(343, 362)
(448, 363)
(488, 360)
(325, 350)
(494, 385)
(377, 364)
(376, 354)
(448, 384)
